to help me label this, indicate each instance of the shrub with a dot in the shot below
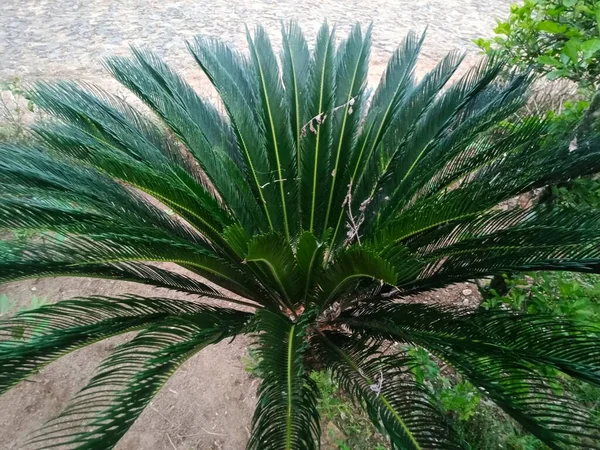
(560, 38)
(308, 212)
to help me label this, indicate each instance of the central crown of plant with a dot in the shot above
(316, 203)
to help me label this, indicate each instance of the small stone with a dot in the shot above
(467, 291)
(34, 288)
(466, 302)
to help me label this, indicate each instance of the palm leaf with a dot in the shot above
(395, 84)
(464, 147)
(127, 380)
(234, 80)
(410, 113)
(504, 354)
(280, 146)
(32, 339)
(510, 241)
(396, 403)
(309, 258)
(286, 416)
(273, 251)
(352, 265)
(75, 254)
(351, 77)
(499, 178)
(196, 122)
(317, 140)
(124, 151)
(295, 66)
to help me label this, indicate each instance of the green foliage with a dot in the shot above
(482, 424)
(13, 108)
(315, 209)
(458, 398)
(251, 362)
(580, 192)
(575, 296)
(334, 406)
(560, 38)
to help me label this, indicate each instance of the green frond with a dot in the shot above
(295, 67)
(32, 339)
(286, 416)
(198, 125)
(472, 137)
(536, 239)
(504, 354)
(317, 136)
(276, 117)
(234, 79)
(78, 253)
(402, 130)
(352, 59)
(275, 253)
(309, 258)
(127, 380)
(396, 403)
(350, 266)
(414, 136)
(396, 83)
(450, 206)
(99, 133)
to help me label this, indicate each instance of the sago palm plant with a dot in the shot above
(318, 209)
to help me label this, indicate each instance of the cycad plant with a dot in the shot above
(318, 209)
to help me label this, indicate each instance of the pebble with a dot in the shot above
(467, 291)
(83, 30)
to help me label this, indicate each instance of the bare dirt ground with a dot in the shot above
(208, 403)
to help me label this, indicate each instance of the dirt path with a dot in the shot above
(208, 404)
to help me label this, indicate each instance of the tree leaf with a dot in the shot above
(548, 60)
(286, 415)
(51, 331)
(551, 27)
(590, 48)
(572, 49)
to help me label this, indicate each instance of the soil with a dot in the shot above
(208, 403)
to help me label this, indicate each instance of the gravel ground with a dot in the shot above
(68, 38)
(208, 404)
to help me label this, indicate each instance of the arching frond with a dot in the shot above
(127, 380)
(234, 80)
(197, 123)
(383, 384)
(350, 266)
(295, 67)
(32, 339)
(274, 253)
(276, 118)
(395, 85)
(503, 354)
(286, 415)
(317, 139)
